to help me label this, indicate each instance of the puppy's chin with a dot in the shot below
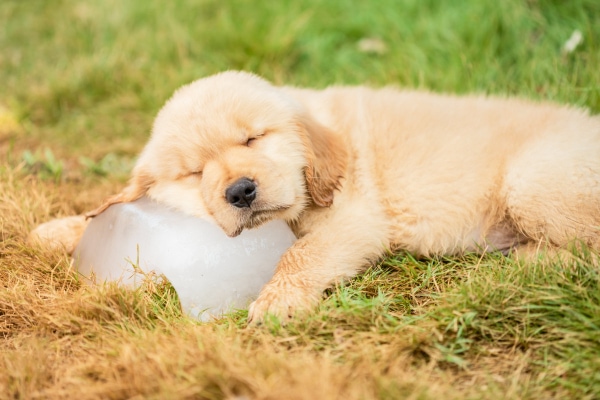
(235, 230)
(233, 234)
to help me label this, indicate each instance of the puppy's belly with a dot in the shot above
(501, 237)
(426, 239)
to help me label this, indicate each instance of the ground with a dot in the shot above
(81, 83)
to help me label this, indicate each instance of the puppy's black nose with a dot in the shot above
(242, 193)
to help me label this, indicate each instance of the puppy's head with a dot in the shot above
(237, 150)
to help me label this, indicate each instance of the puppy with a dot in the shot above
(356, 172)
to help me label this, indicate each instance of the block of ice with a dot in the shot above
(211, 272)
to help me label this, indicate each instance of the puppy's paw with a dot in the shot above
(283, 302)
(58, 234)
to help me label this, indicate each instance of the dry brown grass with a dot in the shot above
(63, 339)
(379, 337)
(86, 79)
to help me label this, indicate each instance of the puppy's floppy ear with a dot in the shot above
(137, 187)
(327, 160)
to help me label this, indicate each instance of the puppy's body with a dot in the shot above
(452, 173)
(357, 171)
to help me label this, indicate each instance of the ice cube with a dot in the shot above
(211, 272)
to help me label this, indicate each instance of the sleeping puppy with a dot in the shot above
(357, 172)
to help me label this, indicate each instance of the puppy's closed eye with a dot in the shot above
(252, 139)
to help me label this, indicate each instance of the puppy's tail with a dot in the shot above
(59, 234)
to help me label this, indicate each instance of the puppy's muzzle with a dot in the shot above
(241, 193)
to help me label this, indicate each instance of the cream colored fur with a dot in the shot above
(358, 171)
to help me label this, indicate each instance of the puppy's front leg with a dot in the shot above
(337, 249)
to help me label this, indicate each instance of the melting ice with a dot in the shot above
(211, 272)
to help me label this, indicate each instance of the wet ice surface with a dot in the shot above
(211, 272)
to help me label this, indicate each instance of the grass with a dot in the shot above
(81, 83)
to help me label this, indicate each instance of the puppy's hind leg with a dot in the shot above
(553, 191)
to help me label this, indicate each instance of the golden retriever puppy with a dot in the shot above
(356, 172)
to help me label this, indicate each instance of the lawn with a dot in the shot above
(81, 82)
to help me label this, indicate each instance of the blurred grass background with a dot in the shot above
(91, 75)
(80, 83)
